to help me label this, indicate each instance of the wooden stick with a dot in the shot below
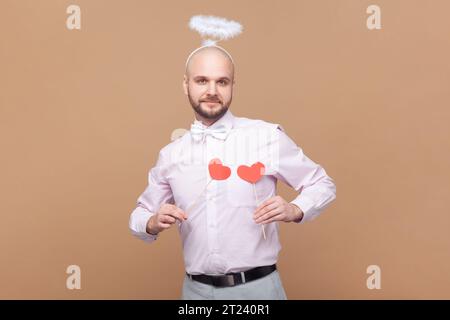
(198, 197)
(196, 200)
(257, 204)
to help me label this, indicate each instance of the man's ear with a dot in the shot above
(185, 85)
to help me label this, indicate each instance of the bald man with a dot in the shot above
(214, 190)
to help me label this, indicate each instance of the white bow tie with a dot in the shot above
(199, 132)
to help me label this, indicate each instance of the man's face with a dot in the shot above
(208, 83)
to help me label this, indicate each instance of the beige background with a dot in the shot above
(84, 113)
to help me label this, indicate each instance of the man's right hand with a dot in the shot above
(165, 218)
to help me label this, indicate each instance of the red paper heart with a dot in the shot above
(251, 174)
(217, 170)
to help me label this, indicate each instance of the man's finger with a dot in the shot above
(277, 217)
(167, 219)
(183, 213)
(177, 215)
(265, 203)
(265, 209)
(165, 225)
(268, 215)
(170, 209)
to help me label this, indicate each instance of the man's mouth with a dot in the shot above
(211, 102)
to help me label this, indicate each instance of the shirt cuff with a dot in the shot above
(138, 224)
(306, 205)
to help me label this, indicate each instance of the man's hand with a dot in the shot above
(277, 209)
(165, 218)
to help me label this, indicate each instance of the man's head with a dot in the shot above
(208, 82)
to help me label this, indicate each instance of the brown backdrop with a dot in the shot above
(84, 113)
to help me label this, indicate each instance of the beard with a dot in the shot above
(206, 112)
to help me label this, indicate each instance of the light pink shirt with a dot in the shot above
(220, 234)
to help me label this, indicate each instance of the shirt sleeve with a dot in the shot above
(157, 192)
(316, 189)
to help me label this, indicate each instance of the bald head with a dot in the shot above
(210, 59)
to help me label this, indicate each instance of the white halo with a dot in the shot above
(215, 27)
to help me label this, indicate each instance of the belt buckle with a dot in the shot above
(224, 281)
(230, 280)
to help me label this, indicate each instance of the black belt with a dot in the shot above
(232, 279)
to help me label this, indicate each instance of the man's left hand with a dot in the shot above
(277, 209)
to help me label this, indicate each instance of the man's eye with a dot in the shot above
(222, 82)
(201, 81)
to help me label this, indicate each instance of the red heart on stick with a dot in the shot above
(251, 174)
(218, 171)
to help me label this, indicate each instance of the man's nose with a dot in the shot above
(212, 88)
